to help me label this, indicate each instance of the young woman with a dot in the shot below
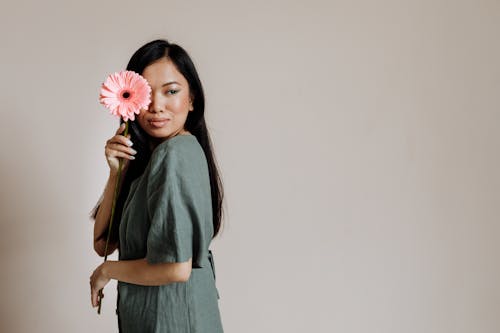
(169, 206)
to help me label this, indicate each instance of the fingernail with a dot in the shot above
(130, 143)
(132, 157)
(134, 151)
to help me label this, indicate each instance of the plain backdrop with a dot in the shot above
(358, 143)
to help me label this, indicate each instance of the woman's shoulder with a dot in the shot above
(181, 150)
(179, 160)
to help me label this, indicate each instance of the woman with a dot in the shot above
(169, 207)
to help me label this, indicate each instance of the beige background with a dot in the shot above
(358, 141)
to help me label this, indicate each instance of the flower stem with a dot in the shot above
(100, 294)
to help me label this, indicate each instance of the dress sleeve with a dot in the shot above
(179, 210)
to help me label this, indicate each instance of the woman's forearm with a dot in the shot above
(104, 213)
(141, 272)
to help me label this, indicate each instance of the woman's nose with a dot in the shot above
(156, 105)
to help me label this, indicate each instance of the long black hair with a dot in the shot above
(195, 123)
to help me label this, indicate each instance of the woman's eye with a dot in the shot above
(172, 91)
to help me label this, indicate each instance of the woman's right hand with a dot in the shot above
(119, 146)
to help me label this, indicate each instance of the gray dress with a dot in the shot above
(167, 217)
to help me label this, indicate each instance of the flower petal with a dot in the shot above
(115, 84)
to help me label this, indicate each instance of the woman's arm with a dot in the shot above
(103, 215)
(138, 271)
(119, 146)
(141, 272)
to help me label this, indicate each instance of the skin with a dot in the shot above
(172, 101)
(169, 100)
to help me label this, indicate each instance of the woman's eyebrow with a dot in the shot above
(171, 82)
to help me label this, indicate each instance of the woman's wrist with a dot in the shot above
(105, 269)
(113, 175)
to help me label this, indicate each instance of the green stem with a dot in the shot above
(100, 295)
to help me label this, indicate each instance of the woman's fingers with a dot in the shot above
(121, 154)
(94, 297)
(119, 146)
(120, 129)
(121, 140)
(114, 148)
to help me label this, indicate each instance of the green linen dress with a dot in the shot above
(167, 217)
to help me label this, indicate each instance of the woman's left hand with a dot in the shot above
(98, 280)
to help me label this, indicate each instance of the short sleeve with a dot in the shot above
(178, 207)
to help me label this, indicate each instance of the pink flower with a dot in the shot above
(125, 94)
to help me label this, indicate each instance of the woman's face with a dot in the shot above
(170, 101)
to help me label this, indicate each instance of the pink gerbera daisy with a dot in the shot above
(125, 93)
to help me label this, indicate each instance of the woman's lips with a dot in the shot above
(158, 123)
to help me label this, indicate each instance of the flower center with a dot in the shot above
(125, 94)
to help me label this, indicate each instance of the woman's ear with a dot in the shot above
(191, 107)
